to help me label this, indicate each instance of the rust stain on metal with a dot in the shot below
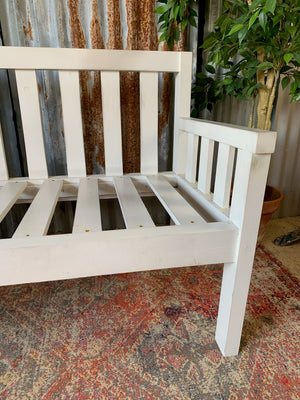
(163, 117)
(28, 30)
(77, 35)
(114, 25)
(142, 35)
(62, 35)
(90, 83)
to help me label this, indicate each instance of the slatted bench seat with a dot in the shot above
(214, 212)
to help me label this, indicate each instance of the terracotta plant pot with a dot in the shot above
(272, 201)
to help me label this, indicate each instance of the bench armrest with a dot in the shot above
(253, 140)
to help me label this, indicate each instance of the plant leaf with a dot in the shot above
(227, 81)
(287, 57)
(176, 34)
(265, 65)
(235, 28)
(253, 18)
(210, 69)
(254, 5)
(184, 24)
(163, 9)
(242, 33)
(270, 6)
(285, 81)
(263, 20)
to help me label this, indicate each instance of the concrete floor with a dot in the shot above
(289, 256)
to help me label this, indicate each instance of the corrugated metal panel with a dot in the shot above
(113, 24)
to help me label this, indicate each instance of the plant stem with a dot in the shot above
(250, 124)
(271, 101)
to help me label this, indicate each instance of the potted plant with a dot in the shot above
(255, 45)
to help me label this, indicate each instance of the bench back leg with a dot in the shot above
(247, 199)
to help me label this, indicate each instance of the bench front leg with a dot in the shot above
(247, 199)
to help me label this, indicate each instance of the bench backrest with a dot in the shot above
(25, 61)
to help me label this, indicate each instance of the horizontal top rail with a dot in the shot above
(88, 59)
(254, 141)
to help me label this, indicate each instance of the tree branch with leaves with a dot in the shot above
(254, 46)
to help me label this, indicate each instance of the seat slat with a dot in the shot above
(3, 165)
(192, 153)
(70, 98)
(224, 175)
(149, 122)
(133, 209)
(37, 219)
(205, 164)
(178, 208)
(8, 196)
(110, 86)
(32, 124)
(87, 214)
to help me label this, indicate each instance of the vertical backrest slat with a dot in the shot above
(224, 175)
(205, 165)
(192, 154)
(32, 123)
(182, 106)
(71, 109)
(149, 122)
(3, 165)
(110, 85)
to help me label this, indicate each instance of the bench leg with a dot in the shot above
(233, 299)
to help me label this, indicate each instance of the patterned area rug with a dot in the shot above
(149, 336)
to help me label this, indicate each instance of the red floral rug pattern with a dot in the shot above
(149, 335)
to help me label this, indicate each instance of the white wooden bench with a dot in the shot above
(225, 232)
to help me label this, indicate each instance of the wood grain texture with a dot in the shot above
(9, 193)
(149, 122)
(87, 214)
(133, 209)
(71, 109)
(32, 124)
(177, 207)
(110, 84)
(37, 219)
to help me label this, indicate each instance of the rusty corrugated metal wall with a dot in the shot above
(111, 24)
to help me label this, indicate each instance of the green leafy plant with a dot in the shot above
(174, 18)
(255, 45)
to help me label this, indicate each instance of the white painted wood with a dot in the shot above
(205, 165)
(3, 165)
(182, 108)
(149, 122)
(255, 141)
(192, 154)
(71, 109)
(177, 207)
(192, 241)
(87, 215)
(32, 123)
(224, 175)
(88, 59)
(37, 219)
(133, 209)
(9, 193)
(110, 85)
(247, 200)
(108, 252)
(204, 202)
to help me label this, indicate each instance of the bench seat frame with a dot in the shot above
(208, 228)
